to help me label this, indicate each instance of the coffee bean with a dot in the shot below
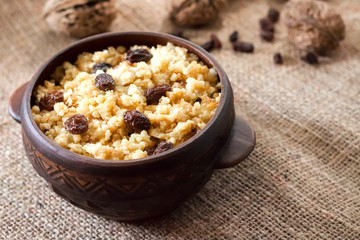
(278, 58)
(234, 36)
(273, 15)
(136, 120)
(243, 47)
(104, 82)
(76, 124)
(101, 66)
(267, 36)
(138, 55)
(48, 102)
(310, 58)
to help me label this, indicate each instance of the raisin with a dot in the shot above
(216, 41)
(267, 36)
(162, 147)
(273, 15)
(179, 34)
(234, 36)
(77, 124)
(310, 58)
(154, 94)
(278, 58)
(101, 66)
(243, 47)
(208, 46)
(104, 82)
(136, 120)
(48, 102)
(150, 150)
(266, 25)
(138, 55)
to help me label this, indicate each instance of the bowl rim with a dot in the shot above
(76, 158)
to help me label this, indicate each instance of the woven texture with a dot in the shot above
(301, 182)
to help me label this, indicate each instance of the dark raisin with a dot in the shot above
(208, 46)
(216, 41)
(162, 147)
(138, 55)
(310, 58)
(273, 15)
(150, 150)
(136, 120)
(243, 47)
(48, 102)
(101, 66)
(267, 36)
(104, 82)
(154, 94)
(266, 25)
(234, 36)
(198, 100)
(77, 124)
(278, 58)
(179, 34)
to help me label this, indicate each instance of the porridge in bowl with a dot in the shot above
(127, 103)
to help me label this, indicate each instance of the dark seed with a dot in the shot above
(154, 94)
(208, 46)
(310, 58)
(104, 82)
(162, 147)
(77, 124)
(48, 102)
(234, 36)
(267, 36)
(138, 55)
(243, 47)
(278, 58)
(216, 41)
(136, 120)
(266, 25)
(101, 66)
(273, 15)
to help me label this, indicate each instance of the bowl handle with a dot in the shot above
(15, 102)
(238, 146)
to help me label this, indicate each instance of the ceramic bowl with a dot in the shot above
(142, 188)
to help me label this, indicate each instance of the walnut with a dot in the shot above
(195, 13)
(79, 18)
(313, 26)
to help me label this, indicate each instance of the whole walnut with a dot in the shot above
(195, 13)
(79, 18)
(313, 25)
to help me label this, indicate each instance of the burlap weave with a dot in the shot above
(301, 182)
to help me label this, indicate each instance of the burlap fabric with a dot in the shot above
(301, 182)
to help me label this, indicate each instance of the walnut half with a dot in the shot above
(313, 25)
(79, 18)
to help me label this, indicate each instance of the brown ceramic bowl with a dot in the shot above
(141, 188)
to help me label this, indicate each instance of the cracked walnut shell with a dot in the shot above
(313, 25)
(195, 13)
(79, 18)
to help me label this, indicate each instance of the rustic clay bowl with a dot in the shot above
(141, 188)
